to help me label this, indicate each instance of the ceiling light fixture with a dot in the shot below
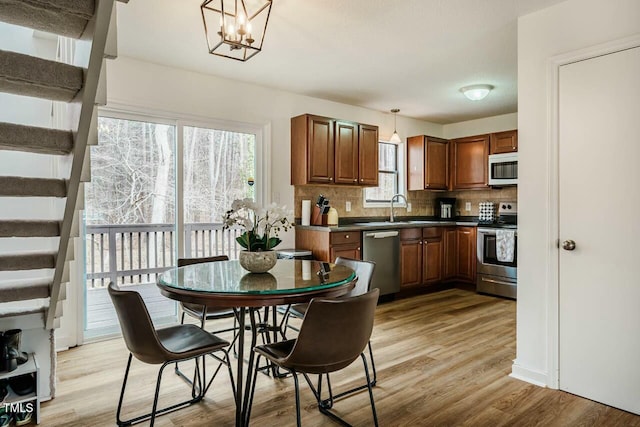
(476, 92)
(395, 137)
(235, 28)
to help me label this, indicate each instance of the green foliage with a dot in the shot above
(252, 242)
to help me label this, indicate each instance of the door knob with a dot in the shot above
(568, 245)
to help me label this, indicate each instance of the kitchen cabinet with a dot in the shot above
(427, 163)
(411, 257)
(450, 253)
(330, 151)
(345, 244)
(470, 158)
(432, 248)
(326, 246)
(466, 251)
(504, 142)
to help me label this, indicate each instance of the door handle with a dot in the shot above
(568, 245)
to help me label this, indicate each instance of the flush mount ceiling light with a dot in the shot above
(476, 92)
(235, 28)
(395, 137)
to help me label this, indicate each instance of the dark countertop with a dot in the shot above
(380, 224)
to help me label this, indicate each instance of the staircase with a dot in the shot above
(35, 280)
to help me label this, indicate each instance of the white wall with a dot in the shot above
(481, 126)
(568, 26)
(146, 86)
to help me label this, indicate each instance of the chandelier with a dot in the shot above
(235, 28)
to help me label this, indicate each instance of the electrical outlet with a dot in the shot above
(467, 206)
(408, 207)
(348, 206)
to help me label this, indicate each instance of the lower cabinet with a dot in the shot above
(326, 246)
(466, 242)
(433, 255)
(411, 257)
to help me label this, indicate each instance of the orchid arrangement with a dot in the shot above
(261, 224)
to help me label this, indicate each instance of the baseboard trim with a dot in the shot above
(531, 376)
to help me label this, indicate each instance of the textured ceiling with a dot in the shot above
(380, 54)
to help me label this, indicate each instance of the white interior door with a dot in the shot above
(599, 170)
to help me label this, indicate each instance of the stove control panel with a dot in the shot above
(507, 208)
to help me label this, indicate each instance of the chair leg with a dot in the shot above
(373, 365)
(297, 386)
(155, 411)
(124, 385)
(369, 386)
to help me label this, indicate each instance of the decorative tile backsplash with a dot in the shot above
(422, 202)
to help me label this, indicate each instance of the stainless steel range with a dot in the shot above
(496, 273)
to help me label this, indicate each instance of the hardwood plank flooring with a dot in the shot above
(443, 359)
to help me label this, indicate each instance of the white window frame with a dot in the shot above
(402, 185)
(262, 178)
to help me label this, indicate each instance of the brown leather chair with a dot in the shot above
(163, 346)
(364, 272)
(333, 334)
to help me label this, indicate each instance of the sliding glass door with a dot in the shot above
(159, 190)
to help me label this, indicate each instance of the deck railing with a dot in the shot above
(137, 253)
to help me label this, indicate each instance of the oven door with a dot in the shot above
(488, 260)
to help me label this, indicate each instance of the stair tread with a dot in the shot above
(27, 261)
(27, 75)
(35, 139)
(29, 228)
(64, 17)
(17, 186)
(24, 290)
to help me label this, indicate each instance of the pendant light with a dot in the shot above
(395, 137)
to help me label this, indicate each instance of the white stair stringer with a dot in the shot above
(85, 113)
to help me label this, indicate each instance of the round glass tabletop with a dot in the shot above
(229, 278)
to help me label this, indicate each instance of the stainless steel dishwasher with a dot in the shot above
(383, 248)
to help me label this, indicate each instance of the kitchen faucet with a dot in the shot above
(396, 196)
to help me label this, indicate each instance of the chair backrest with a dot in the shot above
(333, 333)
(137, 328)
(190, 261)
(364, 272)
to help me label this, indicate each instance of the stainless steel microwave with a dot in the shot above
(503, 169)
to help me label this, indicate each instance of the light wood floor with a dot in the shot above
(443, 360)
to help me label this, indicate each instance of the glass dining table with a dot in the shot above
(225, 284)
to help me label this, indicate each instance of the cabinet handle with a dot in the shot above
(361, 179)
(355, 180)
(346, 236)
(358, 248)
(426, 186)
(420, 241)
(330, 179)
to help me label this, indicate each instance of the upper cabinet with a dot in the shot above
(504, 142)
(328, 151)
(427, 163)
(470, 162)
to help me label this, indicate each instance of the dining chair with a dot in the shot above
(334, 332)
(163, 346)
(364, 272)
(202, 313)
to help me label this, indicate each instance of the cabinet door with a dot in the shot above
(466, 242)
(470, 158)
(411, 262)
(368, 153)
(320, 150)
(432, 261)
(504, 142)
(415, 163)
(346, 151)
(436, 164)
(351, 251)
(450, 254)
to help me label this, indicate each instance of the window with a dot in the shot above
(388, 176)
